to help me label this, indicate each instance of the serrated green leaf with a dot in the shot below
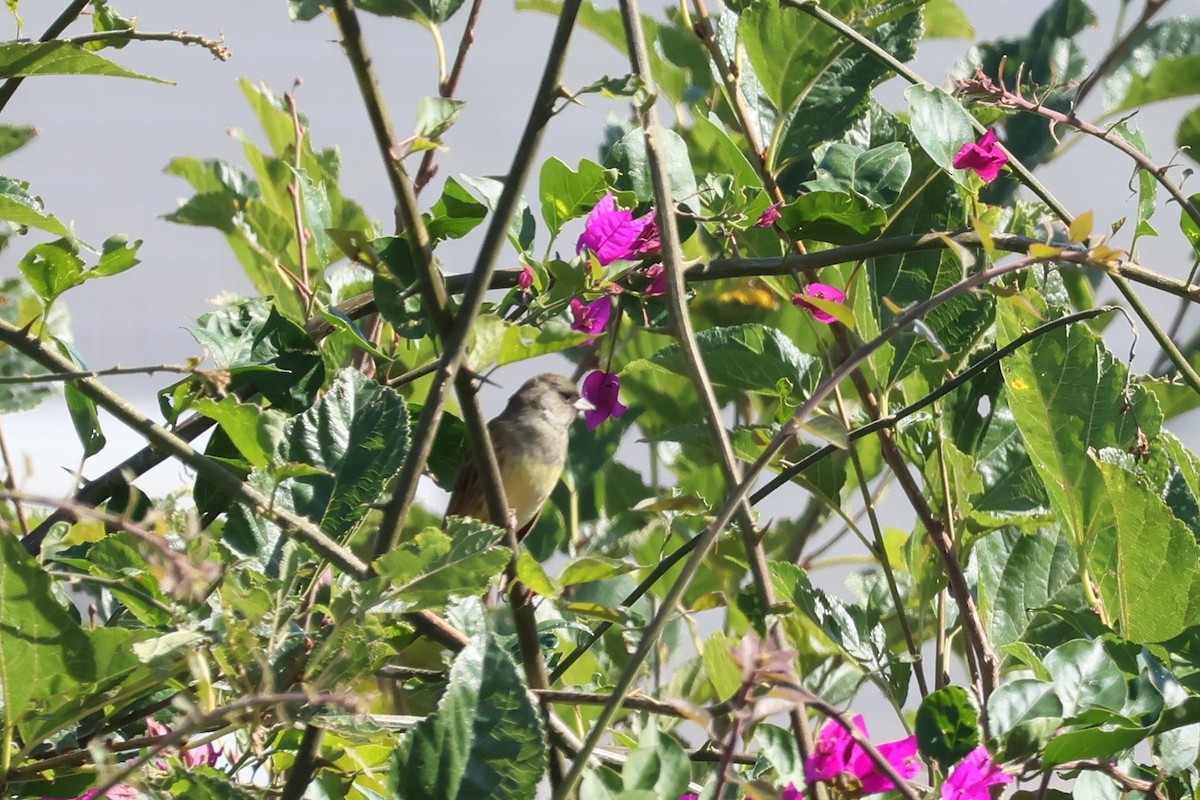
(834, 217)
(22, 208)
(254, 430)
(433, 566)
(353, 440)
(52, 268)
(657, 765)
(484, 740)
(1155, 592)
(1021, 573)
(1160, 63)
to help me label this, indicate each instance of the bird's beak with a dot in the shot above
(583, 404)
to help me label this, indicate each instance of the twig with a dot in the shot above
(10, 482)
(68, 15)
(302, 234)
(215, 46)
(446, 89)
(301, 773)
(57, 377)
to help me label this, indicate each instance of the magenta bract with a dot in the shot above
(984, 157)
(602, 389)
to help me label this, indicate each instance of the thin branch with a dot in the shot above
(302, 235)
(301, 774)
(215, 46)
(10, 482)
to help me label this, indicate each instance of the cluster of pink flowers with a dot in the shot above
(839, 760)
(973, 777)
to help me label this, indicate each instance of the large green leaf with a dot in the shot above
(837, 217)
(432, 566)
(877, 174)
(1151, 584)
(750, 358)
(940, 126)
(26, 59)
(947, 725)
(841, 93)
(1162, 62)
(19, 306)
(628, 157)
(658, 765)
(43, 650)
(1020, 574)
(484, 740)
(334, 461)
(1071, 399)
(1085, 677)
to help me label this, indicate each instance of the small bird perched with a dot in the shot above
(530, 441)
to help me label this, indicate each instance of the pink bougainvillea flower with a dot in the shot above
(822, 291)
(601, 389)
(901, 754)
(657, 274)
(984, 157)
(790, 792)
(591, 318)
(612, 233)
(973, 777)
(122, 791)
(838, 759)
(768, 217)
(525, 279)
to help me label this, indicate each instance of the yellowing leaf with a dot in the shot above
(1081, 227)
(1044, 251)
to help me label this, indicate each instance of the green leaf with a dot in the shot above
(1159, 64)
(14, 137)
(1147, 184)
(455, 214)
(877, 174)
(1155, 591)
(258, 346)
(52, 268)
(522, 228)
(1085, 677)
(117, 255)
(27, 59)
(134, 582)
(355, 438)
(432, 566)
(836, 217)
(435, 116)
(17, 205)
(1069, 396)
(82, 408)
(628, 157)
(658, 764)
(500, 342)
(827, 104)
(593, 568)
(750, 358)
(1187, 137)
(1021, 573)
(722, 671)
(940, 126)
(254, 430)
(944, 19)
(947, 725)
(484, 740)
(43, 650)
(104, 19)
(566, 194)
(1021, 701)
(19, 306)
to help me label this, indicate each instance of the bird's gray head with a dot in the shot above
(552, 395)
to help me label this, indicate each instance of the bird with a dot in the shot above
(530, 441)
